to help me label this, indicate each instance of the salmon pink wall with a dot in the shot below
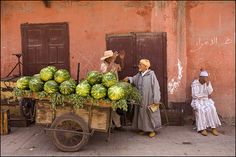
(89, 22)
(211, 45)
(170, 17)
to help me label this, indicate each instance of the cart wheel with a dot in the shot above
(66, 140)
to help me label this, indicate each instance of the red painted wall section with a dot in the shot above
(199, 34)
(211, 45)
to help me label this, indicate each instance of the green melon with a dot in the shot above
(73, 81)
(52, 68)
(23, 82)
(98, 91)
(94, 77)
(36, 84)
(61, 75)
(127, 87)
(132, 94)
(109, 79)
(46, 74)
(67, 87)
(83, 88)
(51, 87)
(116, 92)
(36, 75)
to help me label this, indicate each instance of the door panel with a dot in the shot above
(43, 45)
(125, 43)
(151, 46)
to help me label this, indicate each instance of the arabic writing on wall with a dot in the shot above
(201, 42)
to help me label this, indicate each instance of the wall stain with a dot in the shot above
(189, 6)
(67, 4)
(162, 5)
(180, 25)
(137, 4)
(16, 7)
(146, 12)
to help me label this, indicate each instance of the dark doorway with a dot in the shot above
(124, 42)
(44, 44)
(151, 46)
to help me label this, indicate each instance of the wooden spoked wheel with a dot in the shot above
(70, 134)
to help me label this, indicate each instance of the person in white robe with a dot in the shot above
(203, 105)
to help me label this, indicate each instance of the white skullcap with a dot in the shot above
(203, 73)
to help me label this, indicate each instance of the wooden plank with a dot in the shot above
(44, 113)
(16, 117)
(83, 113)
(6, 95)
(100, 119)
(63, 110)
(5, 84)
(14, 109)
(4, 119)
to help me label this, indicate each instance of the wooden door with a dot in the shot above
(123, 42)
(151, 46)
(44, 44)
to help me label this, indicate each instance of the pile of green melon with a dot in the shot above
(49, 80)
(58, 85)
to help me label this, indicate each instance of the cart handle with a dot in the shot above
(71, 131)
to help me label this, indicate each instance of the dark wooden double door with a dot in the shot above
(151, 46)
(43, 45)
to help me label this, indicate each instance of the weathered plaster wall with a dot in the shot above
(170, 17)
(211, 45)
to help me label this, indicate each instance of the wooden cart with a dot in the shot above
(71, 128)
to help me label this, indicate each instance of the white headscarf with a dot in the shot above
(145, 62)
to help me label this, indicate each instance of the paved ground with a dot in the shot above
(171, 140)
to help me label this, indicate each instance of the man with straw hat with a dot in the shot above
(107, 65)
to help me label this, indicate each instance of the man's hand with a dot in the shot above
(118, 67)
(115, 54)
(122, 54)
(126, 79)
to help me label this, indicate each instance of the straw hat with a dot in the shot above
(107, 54)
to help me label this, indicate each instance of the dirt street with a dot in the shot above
(171, 140)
